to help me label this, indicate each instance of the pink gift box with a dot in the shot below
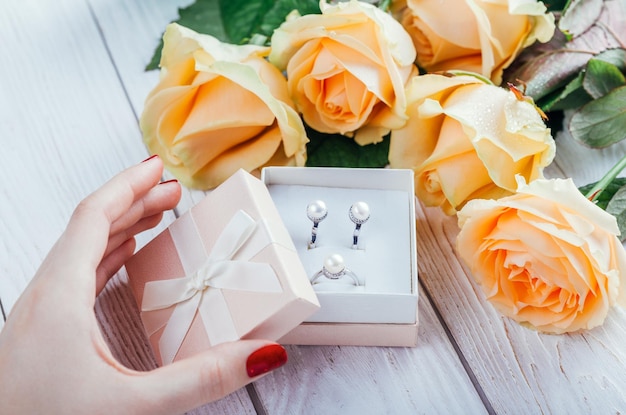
(225, 270)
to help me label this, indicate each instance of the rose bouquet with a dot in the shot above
(460, 98)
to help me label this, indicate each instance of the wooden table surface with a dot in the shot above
(72, 85)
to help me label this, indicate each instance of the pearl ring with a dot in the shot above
(316, 211)
(334, 268)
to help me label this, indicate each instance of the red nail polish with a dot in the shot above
(265, 359)
(169, 181)
(150, 158)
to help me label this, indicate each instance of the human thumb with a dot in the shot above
(211, 375)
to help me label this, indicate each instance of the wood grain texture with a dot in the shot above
(72, 85)
(427, 379)
(66, 126)
(131, 30)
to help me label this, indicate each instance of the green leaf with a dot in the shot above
(602, 74)
(601, 78)
(548, 67)
(615, 56)
(601, 122)
(156, 58)
(205, 16)
(570, 97)
(579, 16)
(336, 150)
(276, 15)
(617, 208)
(242, 18)
(608, 193)
(556, 5)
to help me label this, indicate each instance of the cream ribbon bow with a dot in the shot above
(201, 290)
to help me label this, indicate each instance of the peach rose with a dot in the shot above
(346, 69)
(467, 139)
(482, 36)
(546, 257)
(219, 108)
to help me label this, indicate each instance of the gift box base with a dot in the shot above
(353, 334)
(382, 312)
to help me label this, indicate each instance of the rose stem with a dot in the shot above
(601, 185)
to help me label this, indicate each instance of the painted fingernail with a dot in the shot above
(265, 359)
(169, 181)
(150, 158)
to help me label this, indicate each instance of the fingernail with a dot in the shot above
(169, 181)
(150, 158)
(265, 359)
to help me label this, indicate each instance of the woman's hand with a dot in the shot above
(53, 358)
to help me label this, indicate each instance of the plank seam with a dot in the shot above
(119, 77)
(111, 59)
(4, 316)
(457, 350)
(255, 399)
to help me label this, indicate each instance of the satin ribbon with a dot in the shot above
(225, 268)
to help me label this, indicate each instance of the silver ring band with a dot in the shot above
(316, 211)
(359, 214)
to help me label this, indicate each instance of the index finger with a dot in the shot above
(87, 233)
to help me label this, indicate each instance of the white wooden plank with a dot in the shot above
(427, 379)
(132, 30)
(66, 126)
(519, 369)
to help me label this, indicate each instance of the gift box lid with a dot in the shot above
(224, 270)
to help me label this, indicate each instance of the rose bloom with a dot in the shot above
(346, 69)
(546, 257)
(466, 139)
(482, 36)
(218, 108)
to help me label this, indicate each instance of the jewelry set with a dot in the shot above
(334, 267)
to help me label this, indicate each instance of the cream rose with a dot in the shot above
(467, 139)
(346, 69)
(546, 256)
(482, 36)
(219, 108)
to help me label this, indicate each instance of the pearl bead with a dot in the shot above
(334, 264)
(359, 212)
(316, 211)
